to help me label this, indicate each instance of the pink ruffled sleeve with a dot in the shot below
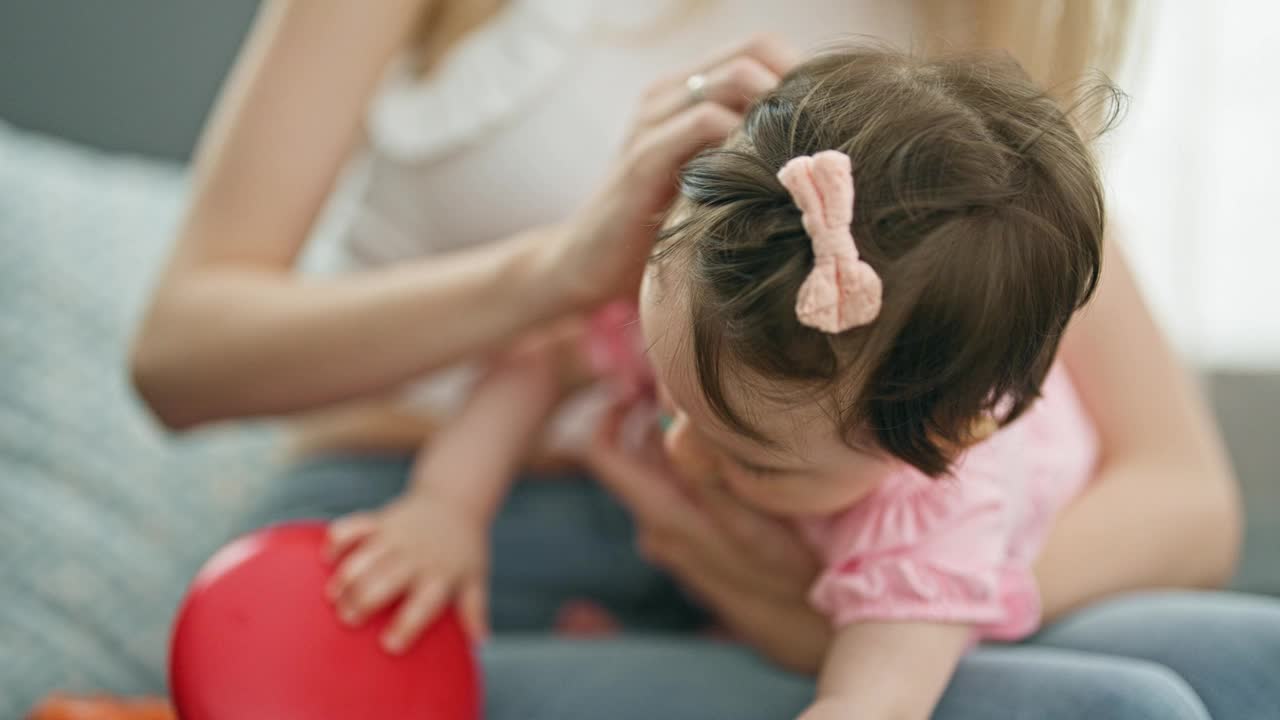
(928, 550)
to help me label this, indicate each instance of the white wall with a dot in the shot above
(1194, 175)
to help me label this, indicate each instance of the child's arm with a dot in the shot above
(888, 670)
(473, 459)
(431, 544)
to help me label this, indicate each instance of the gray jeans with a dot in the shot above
(1165, 656)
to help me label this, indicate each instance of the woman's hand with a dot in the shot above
(753, 571)
(605, 246)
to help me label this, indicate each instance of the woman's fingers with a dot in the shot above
(694, 118)
(419, 608)
(733, 78)
(733, 85)
(611, 240)
(674, 530)
(696, 527)
(655, 157)
(774, 543)
(346, 532)
(636, 484)
(767, 51)
(607, 244)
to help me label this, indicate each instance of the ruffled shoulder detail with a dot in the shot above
(489, 76)
(930, 551)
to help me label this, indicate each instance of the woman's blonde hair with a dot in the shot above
(1057, 41)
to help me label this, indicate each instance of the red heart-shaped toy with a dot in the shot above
(256, 637)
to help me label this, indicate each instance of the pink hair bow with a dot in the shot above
(841, 292)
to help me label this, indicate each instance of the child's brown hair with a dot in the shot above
(977, 203)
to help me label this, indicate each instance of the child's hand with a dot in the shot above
(421, 547)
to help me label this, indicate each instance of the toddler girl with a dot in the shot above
(853, 318)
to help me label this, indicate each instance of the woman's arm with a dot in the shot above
(1163, 511)
(232, 331)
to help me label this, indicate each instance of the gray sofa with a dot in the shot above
(104, 517)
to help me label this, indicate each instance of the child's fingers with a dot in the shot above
(418, 609)
(473, 604)
(347, 531)
(384, 582)
(353, 567)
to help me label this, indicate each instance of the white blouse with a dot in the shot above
(523, 117)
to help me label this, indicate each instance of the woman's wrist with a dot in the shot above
(542, 267)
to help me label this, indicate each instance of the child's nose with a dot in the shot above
(687, 450)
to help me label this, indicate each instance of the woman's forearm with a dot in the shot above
(1126, 533)
(229, 341)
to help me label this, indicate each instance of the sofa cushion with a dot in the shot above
(1248, 409)
(103, 516)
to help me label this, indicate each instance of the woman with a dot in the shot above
(495, 122)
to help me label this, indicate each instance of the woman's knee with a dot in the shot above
(1225, 645)
(684, 679)
(1048, 684)
(636, 678)
(1147, 691)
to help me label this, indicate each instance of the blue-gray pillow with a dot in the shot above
(103, 516)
